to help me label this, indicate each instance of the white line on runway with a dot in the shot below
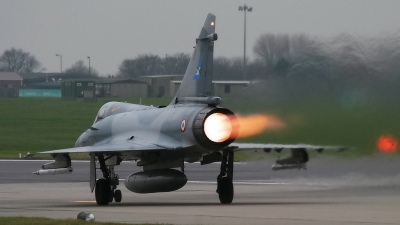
(238, 182)
(235, 182)
(87, 161)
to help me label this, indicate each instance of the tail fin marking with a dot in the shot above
(196, 75)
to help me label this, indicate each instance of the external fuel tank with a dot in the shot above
(152, 181)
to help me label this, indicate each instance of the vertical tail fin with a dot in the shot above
(197, 81)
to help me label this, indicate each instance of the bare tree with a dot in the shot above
(150, 64)
(301, 44)
(272, 48)
(16, 60)
(79, 68)
(142, 65)
(228, 68)
(175, 64)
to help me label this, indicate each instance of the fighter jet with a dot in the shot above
(192, 128)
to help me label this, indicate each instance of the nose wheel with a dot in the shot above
(106, 188)
(224, 179)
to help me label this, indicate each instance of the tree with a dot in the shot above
(150, 64)
(272, 48)
(279, 51)
(228, 68)
(79, 68)
(175, 64)
(16, 60)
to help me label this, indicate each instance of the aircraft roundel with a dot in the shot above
(183, 125)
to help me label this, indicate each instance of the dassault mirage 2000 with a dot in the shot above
(191, 128)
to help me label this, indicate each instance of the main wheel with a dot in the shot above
(102, 192)
(225, 190)
(117, 196)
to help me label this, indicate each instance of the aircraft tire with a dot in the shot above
(117, 196)
(102, 192)
(225, 190)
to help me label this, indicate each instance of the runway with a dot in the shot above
(331, 191)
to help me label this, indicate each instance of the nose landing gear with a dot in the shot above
(106, 188)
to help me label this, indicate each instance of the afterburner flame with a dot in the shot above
(255, 124)
(387, 143)
(218, 127)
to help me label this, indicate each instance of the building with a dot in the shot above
(129, 88)
(72, 86)
(219, 88)
(43, 78)
(160, 85)
(104, 87)
(10, 83)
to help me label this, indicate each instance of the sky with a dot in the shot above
(111, 31)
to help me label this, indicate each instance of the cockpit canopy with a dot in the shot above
(112, 108)
(104, 111)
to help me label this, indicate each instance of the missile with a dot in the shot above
(54, 171)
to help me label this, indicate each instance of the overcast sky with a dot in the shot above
(111, 31)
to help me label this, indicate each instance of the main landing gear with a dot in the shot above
(224, 179)
(106, 188)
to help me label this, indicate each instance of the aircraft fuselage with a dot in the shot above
(175, 127)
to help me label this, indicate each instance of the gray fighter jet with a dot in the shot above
(191, 128)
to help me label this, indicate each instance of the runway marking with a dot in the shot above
(35, 160)
(87, 201)
(235, 182)
(87, 161)
(238, 182)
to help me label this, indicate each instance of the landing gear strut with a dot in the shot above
(106, 188)
(224, 179)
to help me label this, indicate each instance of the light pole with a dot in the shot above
(89, 64)
(60, 61)
(249, 9)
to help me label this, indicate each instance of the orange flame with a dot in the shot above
(387, 143)
(255, 124)
(218, 127)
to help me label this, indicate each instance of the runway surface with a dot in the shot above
(331, 191)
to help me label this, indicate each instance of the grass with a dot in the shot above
(40, 124)
(322, 120)
(46, 221)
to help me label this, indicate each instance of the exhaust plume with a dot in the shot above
(257, 123)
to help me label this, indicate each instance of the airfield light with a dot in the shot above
(387, 143)
(89, 64)
(218, 127)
